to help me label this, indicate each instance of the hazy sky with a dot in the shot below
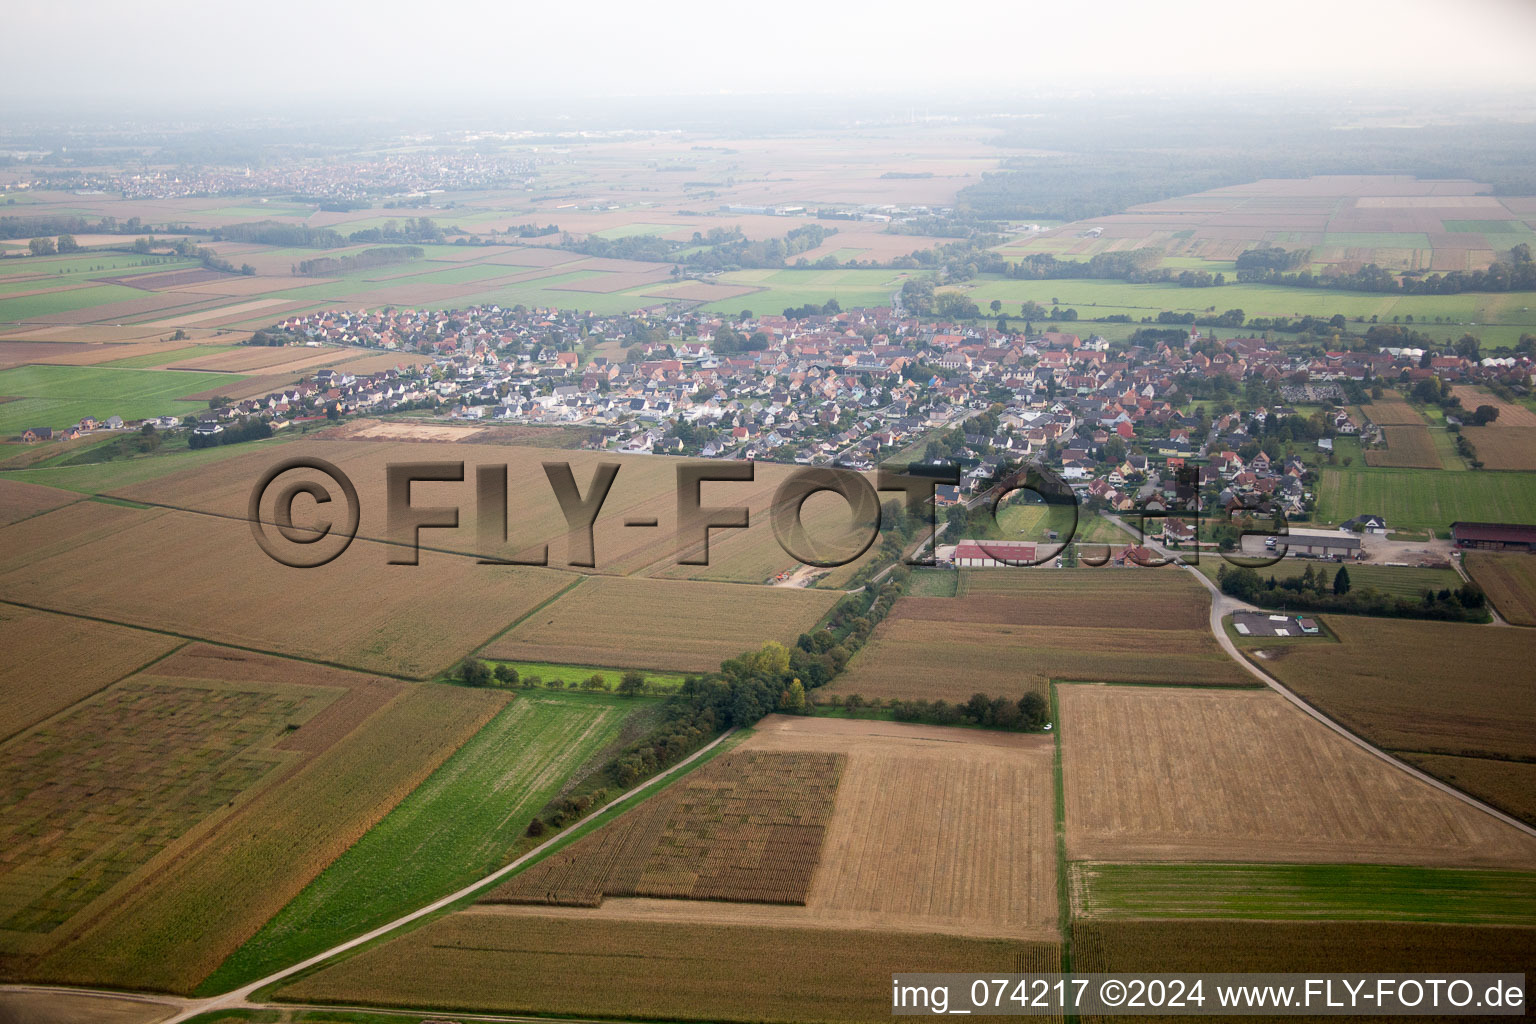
(280, 49)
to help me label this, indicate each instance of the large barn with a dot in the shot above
(1494, 536)
(988, 554)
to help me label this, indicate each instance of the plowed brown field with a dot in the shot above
(1170, 774)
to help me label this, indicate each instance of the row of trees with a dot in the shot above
(327, 266)
(1515, 274)
(1311, 591)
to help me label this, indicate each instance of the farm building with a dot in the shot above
(1494, 536)
(1323, 544)
(990, 554)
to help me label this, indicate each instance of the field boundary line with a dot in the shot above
(239, 997)
(551, 599)
(218, 643)
(1219, 611)
(151, 663)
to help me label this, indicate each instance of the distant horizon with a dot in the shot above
(178, 55)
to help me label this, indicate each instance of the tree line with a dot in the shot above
(327, 266)
(1311, 591)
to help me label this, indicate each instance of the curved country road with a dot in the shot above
(1222, 606)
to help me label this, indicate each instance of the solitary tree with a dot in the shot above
(1341, 581)
(631, 683)
(506, 675)
(475, 673)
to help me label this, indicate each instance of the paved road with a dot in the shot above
(1222, 606)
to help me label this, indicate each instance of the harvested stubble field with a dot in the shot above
(487, 959)
(188, 803)
(204, 576)
(1392, 411)
(665, 625)
(1509, 580)
(747, 827)
(1410, 687)
(1015, 630)
(1503, 447)
(268, 359)
(52, 661)
(934, 830)
(456, 826)
(1508, 785)
(1187, 775)
(19, 500)
(1408, 447)
(1510, 414)
(1298, 892)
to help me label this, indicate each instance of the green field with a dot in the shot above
(1301, 892)
(165, 358)
(572, 675)
(1501, 316)
(1417, 499)
(58, 396)
(30, 307)
(457, 826)
(786, 288)
(933, 583)
(105, 477)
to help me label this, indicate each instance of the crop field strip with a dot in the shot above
(1324, 892)
(746, 827)
(984, 866)
(1299, 947)
(1014, 630)
(452, 828)
(1179, 774)
(1386, 681)
(1501, 446)
(20, 500)
(52, 661)
(664, 625)
(1509, 580)
(346, 613)
(315, 757)
(1407, 446)
(649, 969)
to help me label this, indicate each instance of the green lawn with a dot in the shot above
(1300, 892)
(456, 827)
(58, 396)
(572, 675)
(1417, 499)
